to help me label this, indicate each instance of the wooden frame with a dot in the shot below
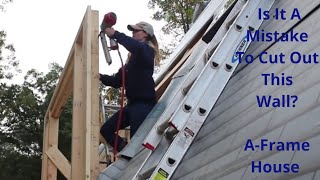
(80, 76)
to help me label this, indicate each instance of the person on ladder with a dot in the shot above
(139, 84)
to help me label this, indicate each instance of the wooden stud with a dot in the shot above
(60, 161)
(49, 170)
(163, 84)
(177, 62)
(63, 89)
(94, 86)
(44, 169)
(78, 118)
(82, 68)
(86, 49)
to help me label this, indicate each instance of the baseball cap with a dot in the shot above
(142, 26)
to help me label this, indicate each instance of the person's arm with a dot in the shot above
(113, 81)
(132, 45)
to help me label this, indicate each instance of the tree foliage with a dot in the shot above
(22, 110)
(113, 96)
(177, 13)
(178, 16)
(8, 62)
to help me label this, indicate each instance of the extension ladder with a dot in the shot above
(205, 91)
(201, 54)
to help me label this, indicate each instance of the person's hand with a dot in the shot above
(109, 32)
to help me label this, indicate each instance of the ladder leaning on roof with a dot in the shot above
(174, 91)
(208, 87)
(203, 50)
(205, 91)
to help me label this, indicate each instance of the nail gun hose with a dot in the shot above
(123, 71)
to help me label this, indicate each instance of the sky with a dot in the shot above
(43, 31)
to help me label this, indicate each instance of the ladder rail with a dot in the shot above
(190, 127)
(105, 147)
(201, 54)
(209, 72)
(134, 147)
(103, 118)
(190, 35)
(155, 156)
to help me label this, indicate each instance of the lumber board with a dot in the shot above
(60, 161)
(94, 86)
(78, 118)
(162, 86)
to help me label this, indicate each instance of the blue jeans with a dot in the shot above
(133, 115)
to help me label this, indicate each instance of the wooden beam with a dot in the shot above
(63, 89)
(82, 68)
(86, 48)
(94, 103)
(163, 84)
(90, 49)
(78, 117)
(51, 129)
(44, 169)
(60, 161)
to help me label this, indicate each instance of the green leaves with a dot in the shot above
(177, 13)
(178, 16)
(22, 110)
(8, 62)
